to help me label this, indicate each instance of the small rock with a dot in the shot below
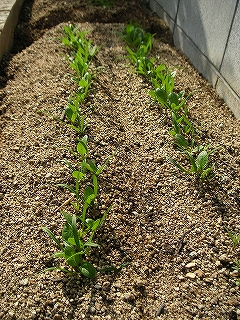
(106, 286)
(117, 284)
(200, 306)
(57, 317)
(233, 302)
(235, 273)
(11, 313)
(218, 263)
(48, 175)
(140, 283)
(208, 280)
(24, 282)
(223, 258)
(190, 275)
(190, 265)
(199, 273)
(181, 278)
(193, 254)
(128, 296)
(92, 310)
(97, 286)
(109, 298)
(160, 310)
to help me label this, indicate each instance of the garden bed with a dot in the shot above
(169, 226)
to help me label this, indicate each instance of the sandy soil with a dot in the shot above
(168, 226)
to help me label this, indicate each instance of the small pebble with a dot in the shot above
(199, 273)
(97, 287)
(48, 175)
(190, 275)
(190, 265)
(24, 282)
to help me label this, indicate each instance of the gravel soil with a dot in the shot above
(170, 227)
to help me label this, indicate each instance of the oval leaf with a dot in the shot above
(202, 160)
(88, 270)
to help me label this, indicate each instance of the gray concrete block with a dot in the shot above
(229, 96)
(6, 5)
(198, 59)
(165, 10)
(231, 62)
(207, 24)
(8, 21)
(3, 18)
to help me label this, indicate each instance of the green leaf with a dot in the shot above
(82, 148)
(100, 169)
(95, 184)
(67, 232)
(88, 270)
(181, 141)
(53, 237)
(75, 232)
(68, 217)
(193, 163)
(173, 98)
(78, 175)
(71, 258)
(105, 214)
(70, 114)
(176, 164)
(58, 255)
(66, 186)
(202, 160)
(206, 173)
(68, 164)
(89, 195)
(91, 244)
(92, 165)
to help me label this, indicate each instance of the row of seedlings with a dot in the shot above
(139, 45)
(79, 229)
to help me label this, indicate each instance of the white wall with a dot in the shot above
(208, 32)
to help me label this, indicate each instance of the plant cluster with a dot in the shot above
(235, 240)
(81, 52)
(139, 45)
(79, 228)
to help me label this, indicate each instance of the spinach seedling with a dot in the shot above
(197, 157)
(76, 243)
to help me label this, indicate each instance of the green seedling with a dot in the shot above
(73, 114)
(235, 240)
(76, 243)
(181, 124)
(197, 157)
(79, 172)
(115, 269)
(234, 237)
(143, 65)
(175, 102)
(77, 43)
(163, 81)
(136, 37)
(237, 268)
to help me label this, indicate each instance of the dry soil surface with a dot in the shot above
(170, 227)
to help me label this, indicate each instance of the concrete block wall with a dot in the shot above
(208, 32)
(9, 12)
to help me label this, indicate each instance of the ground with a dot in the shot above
(170, 227)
